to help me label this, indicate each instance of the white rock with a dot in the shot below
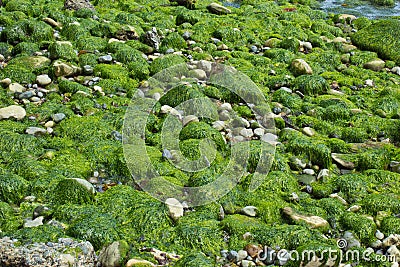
(189, 118)
(308, 131)
(67, 260)
(36, 131)
(200, 74)
(34, 223)
(16, 88)
(396, 70)
(335, 195)
(12, 111)
(86, 184)
(175, 208)
(259, 131)
(246, 133)
(379, 235)
(5, 82)
(369, 83)
(250, 211)
(205, 65)
(309, 171)
(219, 125)
(226, 106)
(165, 109)
(43, 79)
(323, 173)
(242, 254)
(269, 138)
(138, 262)
(49, 124)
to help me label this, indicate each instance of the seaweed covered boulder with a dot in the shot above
(382, 37)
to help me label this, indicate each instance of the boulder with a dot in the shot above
(218, 9)
(12, 111)
(375, 65)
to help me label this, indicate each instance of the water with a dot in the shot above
(358, 8)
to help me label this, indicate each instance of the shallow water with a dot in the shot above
(358, 8)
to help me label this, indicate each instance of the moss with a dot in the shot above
(8, 220)
(390, 225)
(25, 48)
(66, 86)
(91, 43)
(42, 233)
(84, 13)
(12, 187)
(380, 37)
(311, 84)
(387, 181)
(336, 112)
(200, 130)
(43, 187)
(374, 203)
(280, 55)
(60, 50)
(173, 40)
(127, 55)
(74, 31)
(107, 71)
(99, 229)
(362, 227)
(296, 18)
(361, 23)
(354, 135)
(388, 3)
(36, 64)
(353, 187)
(204, 235)
(71, 191)
(18, 74)
(291, 44)
(375, 159)
(139, 70)
(292, 101)
(105, 30)
(165, 62)
(195, 259)
(88, 59)
(27, 30)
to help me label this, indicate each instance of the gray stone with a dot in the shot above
(309, 131)
(12, 111)
(36, 131)
(26, 95)
(247, 133)
(269, 138)
(300, 67)
(78, 4)
(199, 74)
(170, 51)
(242, 254)
(218, 9)
(35, 99)
(309, 172)
(226, 106)
(110, 256)
(224, 115)
(219, 125)
(105, 59)
(15, 88)
(312, 221)
(34, 223)
(87, 69)
(232, 256)
(43, 80)
(345, 164)
(250, 211)
(64, 69)
(175, 208)
(189, 118)
(396, 70)
(259, 131)
(58, 117)
(152, 38)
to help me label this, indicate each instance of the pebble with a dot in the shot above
(43, 80)
(369, 83)
(35, 99)
(36, 131)
(34, 223)
(12, 111)
(250, 211)
(26, 95)
(224, 115)
(379, 235)
(247, 133)
(186, 35)
(226, 106)
(242, 254)
(175, 208)
(254, 49)
(169, 51)
(269, 138)
(189, 118)
(232, 256)
(309, 171)
(396, 70)
(376, 244)
(219, 125)
(309, 131)
(16, 88)
(88, 70)
(259, 132)
(5, 82)
(105, 59)
(58, 117)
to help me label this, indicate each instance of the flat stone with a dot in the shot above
(26, 95)
(339, 40)
(138, 262)
(16, 88)
(58, 117)
(175, 208)
(375, 65)
(269, 138)
(12, 111)
(345, 164)
(250, 211)
(218, 9)
(65, 69)
(34, 223)
(312, 221)
(43, 80)
(308, 131)
(36, 131)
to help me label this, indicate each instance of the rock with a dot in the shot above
(206, 66)
(369, 83)
(43, 80)
(175, 208)
(78, 4)
(218, 9)
(252, 250)
(5, 82)
(345, 164)
(390, 241)
(113, 254)
(312, 221)
(219, 125)
(139, 263)
(379, 235)
(189, 118)
(34, 223)
(309, 172)
(64, 69)
(375, 65)
(223, 47)
(86, 184)
(308, 131)
(259, 132)
(224, 115)
(250, 211)
(342, 200)
(300, 67)
(306, 45)
(396, 70)
(51, 22)
(105, 59)
(12, 111)
(348, 47)
(36, 131)
(26, 95)
(254, 49)
(16, 88)
(347, 17)
(269, 138)
(323, 174)
(199, 74)
(247, 263)
(58, 117)
(376, 244)
(232, 256)
(242, 254)
(247, 133)
(339, 40)
(41, 211)
(152, 38)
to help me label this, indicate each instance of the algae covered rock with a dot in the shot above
(311, 84)
(300, 67)
(71, 191)
(62, 50)
(218, 9)
(12, 187)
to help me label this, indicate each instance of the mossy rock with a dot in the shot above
(311, 84)
(97, 228)
(25, 48)
(71, 191)
(195, 259)
(353, 187)
(390, 225)
(180, 94)
(200, 130)
(381, 37)
(27, 30)
(362, 227)
(373, 203)
(165, 62)
(18, 74)
(139, 70)
(8, 220)
(173, 40)
(115, 72)
(91, 44)
(291, 44)
(280, 55)
(62, 50)
(373, 159)
(66, 86)
(12, 187)
(43, 233)
(127, 55)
